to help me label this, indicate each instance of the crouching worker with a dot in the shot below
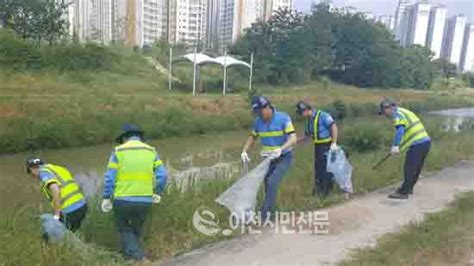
(134, 174)
(59, 187)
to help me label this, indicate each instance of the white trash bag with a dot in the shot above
(241, 197)
(339, 165)
(53, 230)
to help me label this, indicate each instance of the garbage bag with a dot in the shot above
(339, 165)
(241, 197)
(53, 230)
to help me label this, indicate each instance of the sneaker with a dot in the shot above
(397, 195)
(400, 191)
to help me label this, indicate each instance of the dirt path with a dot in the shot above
(355, 224)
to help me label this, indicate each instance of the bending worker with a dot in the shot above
(410, 136)
(134, 173)
(278, 136)
(322, 128)
(59, 187)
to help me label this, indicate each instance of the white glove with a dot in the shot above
(334, 146)
(156, 198)
(245, 157)
(395, 150)
(106, 205)
(56, 217)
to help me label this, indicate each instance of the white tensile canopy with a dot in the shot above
(203, 59)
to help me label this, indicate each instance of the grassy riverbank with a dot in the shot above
(54, 110)
(170, 229)
(445, 238)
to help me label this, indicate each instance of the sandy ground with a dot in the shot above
(355, 224)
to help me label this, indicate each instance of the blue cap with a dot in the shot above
(129, 130)
(301, 106)
(260, 102)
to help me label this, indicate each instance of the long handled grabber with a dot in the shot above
(381, 162)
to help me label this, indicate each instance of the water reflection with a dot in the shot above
(460, 112)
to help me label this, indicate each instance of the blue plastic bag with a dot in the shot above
(339, 166)
(53, 230)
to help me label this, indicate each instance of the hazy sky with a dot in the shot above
(387, 7)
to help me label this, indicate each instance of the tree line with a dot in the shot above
(295, 48)
(35, 20)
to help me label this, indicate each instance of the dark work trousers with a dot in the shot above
(323, 180)
(414, 161)
(129, 218)
(278, 168)
(73, 220)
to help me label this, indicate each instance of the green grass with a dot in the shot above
(52, 110)
(445, 238)
(170, 230)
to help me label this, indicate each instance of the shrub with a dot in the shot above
(22, 55)
(364, 137)
(78, 57)
(17, 54)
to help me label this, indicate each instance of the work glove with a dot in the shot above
(395, 150)
(245, 157)
(156, 198)
(106, 205)
(334, 147)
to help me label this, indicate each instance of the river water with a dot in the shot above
(188, 160)
(457, 119)
(192, 159)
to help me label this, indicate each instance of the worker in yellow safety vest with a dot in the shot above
(412, 137)
(59, 187)
(134, 178)
(321, 127)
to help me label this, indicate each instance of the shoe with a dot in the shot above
(397, 195)
(400, 191)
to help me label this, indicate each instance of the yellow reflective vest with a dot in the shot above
(414, 129)
(70, 192)
(135, 166)
(316, 138)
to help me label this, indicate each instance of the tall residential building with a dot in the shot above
(100, 21)
(418, 24)
(212, 15)
(400, 18)
(228, 19)
(437, 23)
(93, 20)
(387, 21)
(140, 22)
(188, 22)
(82, 12)
(246, 15)
(403, 32)
(453, 39)
(152, 21)
(467, 55)
(228, 22)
